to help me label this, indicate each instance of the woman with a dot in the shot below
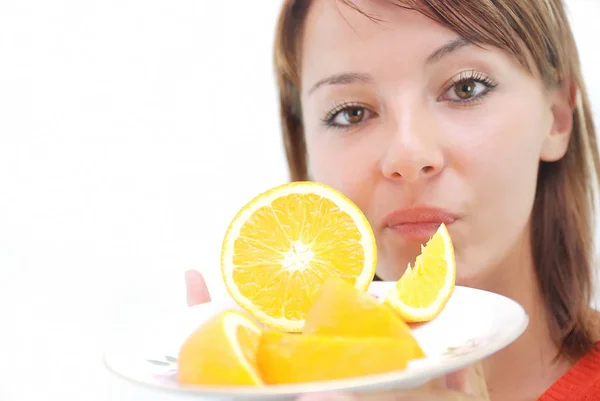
(471, 113)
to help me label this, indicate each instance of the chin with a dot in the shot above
(392, 265)
(466, 278)
(387, 274)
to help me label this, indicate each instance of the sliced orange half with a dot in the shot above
(282, 246)
(341, 310)
(222, 351)
(423, 290)
(285, 358)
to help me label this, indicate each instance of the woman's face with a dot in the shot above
(418, 127)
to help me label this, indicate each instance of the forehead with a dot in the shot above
(337, 38)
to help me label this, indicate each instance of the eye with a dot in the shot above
(350, 115)
(466, 90)
(347, 115)
(468, 87)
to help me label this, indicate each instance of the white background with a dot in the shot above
(130, 133)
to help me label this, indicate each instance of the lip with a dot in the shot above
(418, 223)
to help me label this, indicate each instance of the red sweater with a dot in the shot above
(580, 383)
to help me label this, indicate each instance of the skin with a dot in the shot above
(410, 138)
(416, 144)
(413, 148)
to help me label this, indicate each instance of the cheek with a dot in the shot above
(498, 158)
(504, 154)
(495, 158)
(347, 164)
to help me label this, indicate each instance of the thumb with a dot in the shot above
(197, 291)
(470, 381)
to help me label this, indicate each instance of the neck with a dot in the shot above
(526, 368)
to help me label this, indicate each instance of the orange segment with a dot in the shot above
(285, 358)
(281, 247)
(423, 291)
(341, 310)
(222, 351)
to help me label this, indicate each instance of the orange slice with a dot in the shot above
(282, 246)
(423, 290)
(285, 358)
(341, 310)
(222, 351)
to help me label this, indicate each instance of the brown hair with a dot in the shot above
(538, 35)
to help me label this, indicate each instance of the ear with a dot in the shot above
(556, 142)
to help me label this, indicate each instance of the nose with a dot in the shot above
(413, 151)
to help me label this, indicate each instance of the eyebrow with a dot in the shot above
(447, 49)
(341, 79)
(352, 77)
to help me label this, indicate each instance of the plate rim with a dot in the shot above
(379, 381)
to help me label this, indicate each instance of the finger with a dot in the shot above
(197, 291)
(470, 381)
(475, 383)
(457, 380)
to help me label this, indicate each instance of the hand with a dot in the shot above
(465, 385)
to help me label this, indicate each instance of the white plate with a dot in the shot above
(473, 325)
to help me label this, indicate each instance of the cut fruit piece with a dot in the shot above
(423, 291)
(340, 309)
(285, 358)
(222, 351)
(282, 246)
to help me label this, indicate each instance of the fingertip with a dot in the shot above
(197, 291)
(457, 380)
(193, 275)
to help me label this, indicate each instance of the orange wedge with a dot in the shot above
(222, 351)
(423, 290)
(341, 310)
(282, 246)
(285, 358)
